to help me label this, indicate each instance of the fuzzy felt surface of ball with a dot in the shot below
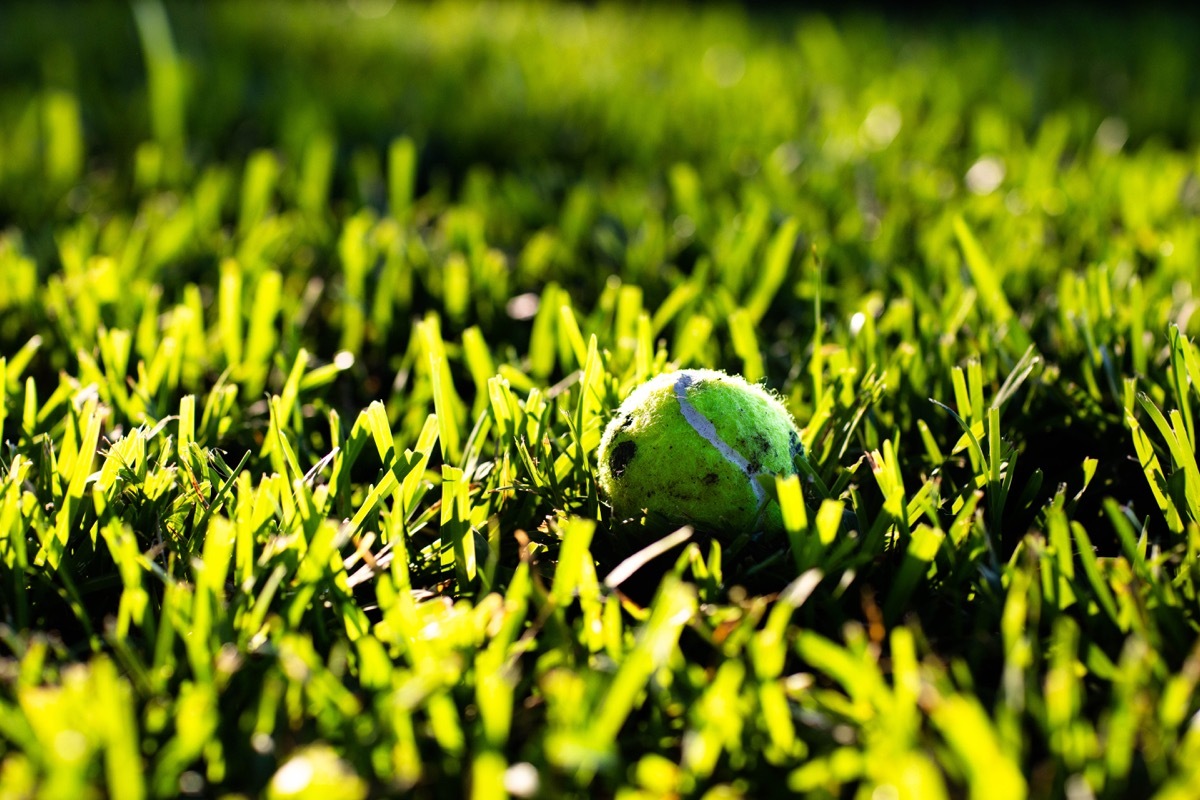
(688, 447)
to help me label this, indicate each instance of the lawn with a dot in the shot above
(312, 315)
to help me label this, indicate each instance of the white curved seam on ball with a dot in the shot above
(703, 426)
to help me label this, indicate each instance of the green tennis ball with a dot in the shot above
(689, 447)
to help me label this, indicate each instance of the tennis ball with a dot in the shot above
(688, 447)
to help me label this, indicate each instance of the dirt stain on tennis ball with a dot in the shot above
(622, 454)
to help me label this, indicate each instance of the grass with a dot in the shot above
(310, 323)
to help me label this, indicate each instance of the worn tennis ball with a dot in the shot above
(689, 447)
